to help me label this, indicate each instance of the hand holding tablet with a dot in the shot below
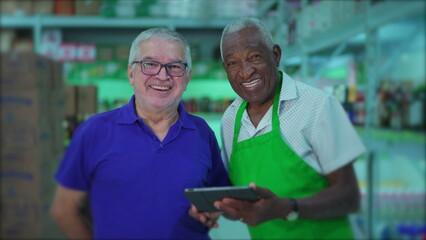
(203, 198)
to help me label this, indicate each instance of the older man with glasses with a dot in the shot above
(131, 160)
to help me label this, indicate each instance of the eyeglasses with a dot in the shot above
(152, 68)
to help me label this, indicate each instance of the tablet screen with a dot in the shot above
(203, 198)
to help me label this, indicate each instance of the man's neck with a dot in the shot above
(257, 111)
(158, 121)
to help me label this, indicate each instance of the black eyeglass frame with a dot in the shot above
(161, 66)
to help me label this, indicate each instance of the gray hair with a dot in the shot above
(247, 22)
(163, 33)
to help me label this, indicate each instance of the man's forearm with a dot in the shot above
(341, 198)
(75, 227)
(323, 207)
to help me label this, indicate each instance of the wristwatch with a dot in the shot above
(294, 213)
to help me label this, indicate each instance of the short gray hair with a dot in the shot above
(159, 32)
(247, 22)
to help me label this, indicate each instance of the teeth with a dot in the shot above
(160, 87)
(251, 84)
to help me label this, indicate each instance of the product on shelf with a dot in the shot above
(81, 102)
(16, 8)
(206, 105)
(64, 7)
(394, 106)
(88, 7)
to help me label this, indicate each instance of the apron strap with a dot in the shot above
(275, 118)
(275, 115)
(238, 122)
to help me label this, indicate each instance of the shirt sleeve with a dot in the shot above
(227, 131)
(217, 176)
(73, 170)
(334, 139)
(224, 153)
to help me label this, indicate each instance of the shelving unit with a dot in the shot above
(103, 22)
(333, 42)
(39, 22)
(202, 31)
(374, 17)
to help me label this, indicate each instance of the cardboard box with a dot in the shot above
(27, 189)
(87, 7)
(25, 202)
(87, 100)
(17, 8)
(70, 101)
(64, 7)
(57, 80)
(43, 130)
(21, 218)
(19, 137)
(24, 70)
(20, 183)
(23, 106)
(104, 53)
(122, 52)
(23, 45)
(57, 105)
(26, 159)
(42, 7)
(56, 120)
(32, 111)
(58, 139)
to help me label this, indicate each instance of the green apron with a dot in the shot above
(269, 162)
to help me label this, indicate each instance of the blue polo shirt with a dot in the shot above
(136, 182)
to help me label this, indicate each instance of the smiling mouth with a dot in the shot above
(161, 88)
(251, 83)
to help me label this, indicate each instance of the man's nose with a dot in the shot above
(247, 69)
(162, 74)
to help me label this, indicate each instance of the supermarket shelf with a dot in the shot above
(406, 144)
(114, 88)
(16, 22)
(403, 148)
(37, 23)
(378, 15)
(102, 22)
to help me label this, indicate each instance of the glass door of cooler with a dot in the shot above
(393, 182)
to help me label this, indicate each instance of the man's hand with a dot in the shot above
(253, 213)
(209, 219)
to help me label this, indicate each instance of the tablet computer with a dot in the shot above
(203, 198)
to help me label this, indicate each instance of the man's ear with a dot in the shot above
(130, 74)
(276, 50)
(188, 78)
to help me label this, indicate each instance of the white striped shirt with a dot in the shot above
(312, 123)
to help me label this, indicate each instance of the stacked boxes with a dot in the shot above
(87, 7)
(32, 113)
(26, 7)
(81, 102)
(18, 8)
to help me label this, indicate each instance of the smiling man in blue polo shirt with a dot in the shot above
(135, 161)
